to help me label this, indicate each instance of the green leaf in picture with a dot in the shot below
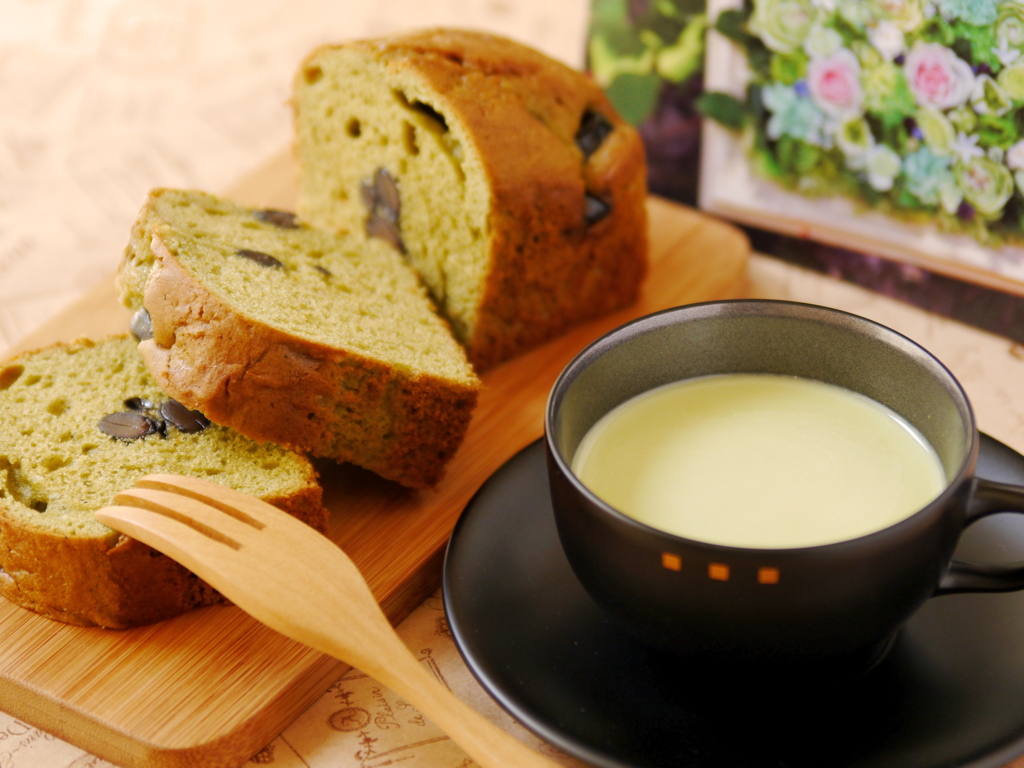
(788, 69)
(608, 11)
(684, 58)
(997, 131)
(666, 8)
(687, 8)
(905, 199)
(936, 29)
(976, 44)
(667, 27)
(962, 48)
(732, 24)
(887, 95)
(755, 102)
(936, 130)
(964, 119)
(760, 60)
(989, 98)
(797, 156)
(722, 108)
(608, 58)
(764, 164)
(634, 96)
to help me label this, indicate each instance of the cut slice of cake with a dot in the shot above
(505, 177)
(290, 334)
(82, 422)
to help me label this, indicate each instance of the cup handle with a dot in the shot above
(988, 498)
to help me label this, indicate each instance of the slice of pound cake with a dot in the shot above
(82, 422)
(292, 335)
(506, 178)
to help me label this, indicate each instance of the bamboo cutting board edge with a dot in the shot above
(694, 258)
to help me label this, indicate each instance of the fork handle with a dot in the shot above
(485, 742)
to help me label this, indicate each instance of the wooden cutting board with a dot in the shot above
(213, 687)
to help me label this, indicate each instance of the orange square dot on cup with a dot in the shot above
(767, 575)
(671, 561)
(718, 571)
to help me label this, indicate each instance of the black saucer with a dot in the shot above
(950, 692)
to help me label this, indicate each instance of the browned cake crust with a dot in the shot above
(58, 466)
(395, 398)
(115, 582)
(552, 181)
(271, 385)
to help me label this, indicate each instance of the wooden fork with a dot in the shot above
(298, 582)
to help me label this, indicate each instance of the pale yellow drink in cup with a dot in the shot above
(759, 460)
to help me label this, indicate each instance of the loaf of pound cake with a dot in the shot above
(82, 422)
(293, 335)
(506, 178)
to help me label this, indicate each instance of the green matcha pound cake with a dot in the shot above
(506, 179)
(80, 422)
(292, 335)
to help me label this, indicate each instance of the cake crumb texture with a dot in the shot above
(506, 178)
(58, 466)
(316, 341)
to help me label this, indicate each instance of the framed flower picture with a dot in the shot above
(888, 127)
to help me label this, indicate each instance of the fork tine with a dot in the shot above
(237, 504)
(176, 537)
(211, 521)
(218, 564)
(183, 526)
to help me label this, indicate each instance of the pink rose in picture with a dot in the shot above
(834, 83)
(937, 76)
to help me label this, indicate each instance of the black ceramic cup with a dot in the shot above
(843, 600)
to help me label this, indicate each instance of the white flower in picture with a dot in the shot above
(937, 76)
(834, 83)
